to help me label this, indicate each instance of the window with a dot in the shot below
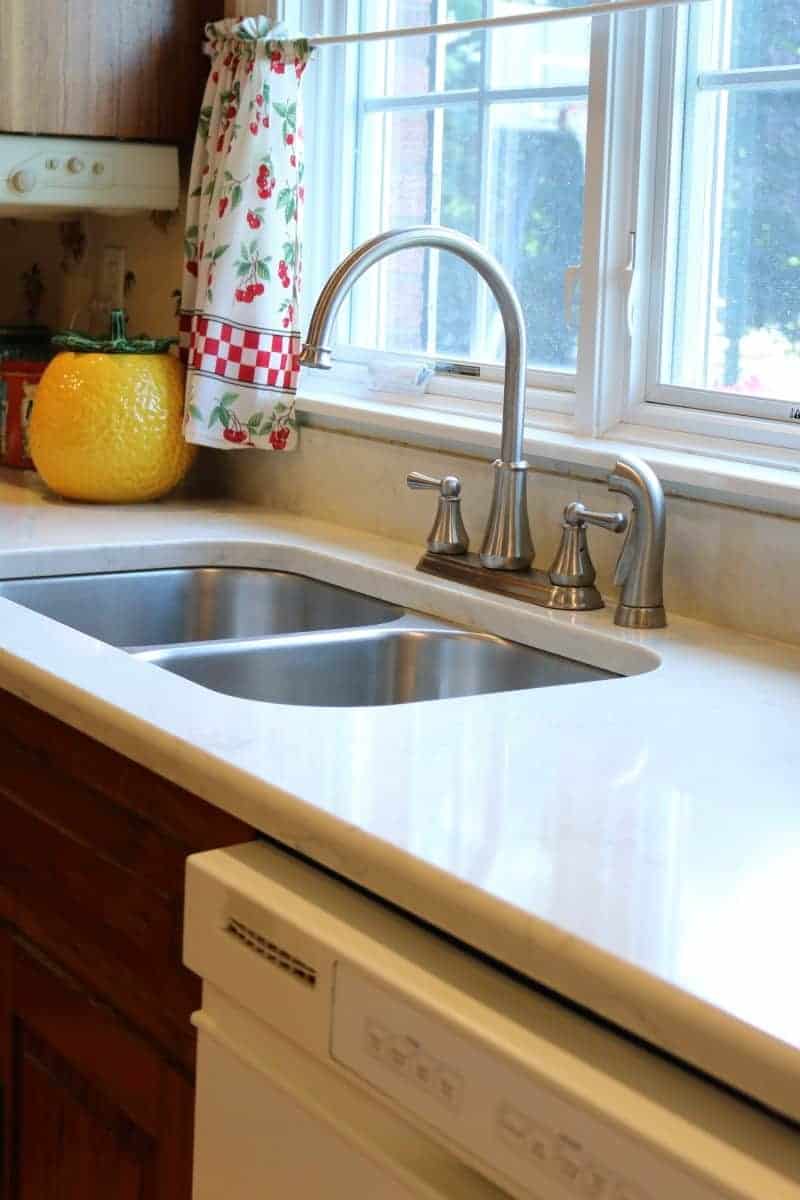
(730, 321)
(637, 177)
(485, 133)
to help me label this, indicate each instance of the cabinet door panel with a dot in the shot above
(71, 1144)
(94, 68)
(54, 872)
(92, 1108)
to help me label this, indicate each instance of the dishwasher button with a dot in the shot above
(376, 1039)
(449, 1087)
(594, 1183)
(540, 1145)
(399, 1053)
(568, 1158)
(423, 1071)
(513, 1127)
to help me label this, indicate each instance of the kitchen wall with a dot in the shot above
(723, 564)
(23, 243)
(69, 256)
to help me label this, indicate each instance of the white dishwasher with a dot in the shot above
(348, 1053)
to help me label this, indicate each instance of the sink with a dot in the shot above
(286, 639)
(389, 665)
(191, 604)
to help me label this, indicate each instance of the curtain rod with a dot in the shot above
(553, 14)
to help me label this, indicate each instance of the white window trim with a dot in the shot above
(738, 460)
(650, 401)
(332, 90)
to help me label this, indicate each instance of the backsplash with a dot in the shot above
(23, 244)
(69, 259)
(723, 564)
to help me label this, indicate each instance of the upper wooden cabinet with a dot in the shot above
(133, 69)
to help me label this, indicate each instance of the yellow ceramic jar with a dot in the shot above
(107, 420)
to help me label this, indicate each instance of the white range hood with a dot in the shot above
(52, 177)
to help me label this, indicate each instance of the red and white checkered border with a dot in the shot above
(261, 358)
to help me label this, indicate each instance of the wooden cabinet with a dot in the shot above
(133, 69)
(96, 1045)
(92, 1108)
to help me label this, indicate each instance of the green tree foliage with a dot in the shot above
(537, 205)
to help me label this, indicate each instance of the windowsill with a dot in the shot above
(738, 474)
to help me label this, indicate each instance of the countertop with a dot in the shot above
(633, 844)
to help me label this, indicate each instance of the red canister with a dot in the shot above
(24, 353)
(18, 380)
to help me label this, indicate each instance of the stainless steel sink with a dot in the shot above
(191, 604)
(385, 665)
(283, 638)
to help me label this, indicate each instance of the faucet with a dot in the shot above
(507, 543)
(640, 567)
(504, 562)
(569, 583)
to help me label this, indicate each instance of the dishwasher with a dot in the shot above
(348, 1052)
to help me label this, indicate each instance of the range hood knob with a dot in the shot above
(24, 180)
(75, 165)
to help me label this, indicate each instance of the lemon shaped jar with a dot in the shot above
(107, 420)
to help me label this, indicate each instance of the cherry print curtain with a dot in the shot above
(239, 333)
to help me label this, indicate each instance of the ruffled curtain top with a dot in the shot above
(249, 30)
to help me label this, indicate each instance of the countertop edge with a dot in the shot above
(635, 1001)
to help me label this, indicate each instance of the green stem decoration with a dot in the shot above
(116, 343)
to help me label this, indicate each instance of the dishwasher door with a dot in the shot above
(272, 1124)
(348, 1053)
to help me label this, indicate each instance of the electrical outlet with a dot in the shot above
(112, 276)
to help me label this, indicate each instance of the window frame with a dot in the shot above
(549, 391)
(616, 394)
(651, 403)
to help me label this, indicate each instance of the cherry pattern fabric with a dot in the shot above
(239, 334)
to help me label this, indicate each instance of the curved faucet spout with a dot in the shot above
(507, 544)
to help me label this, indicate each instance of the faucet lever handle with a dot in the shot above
(572, 565)
(578, 514)
(449, 486)
(448, 534)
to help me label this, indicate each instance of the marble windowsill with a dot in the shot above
(758, 478)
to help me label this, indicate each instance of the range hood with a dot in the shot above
(56, 177)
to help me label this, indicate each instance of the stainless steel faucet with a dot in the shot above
(507, 550)
(569, 583)
(640, 569)
(507, 543)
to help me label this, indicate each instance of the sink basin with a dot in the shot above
(190, 604)
(287, 639)
(371, 667)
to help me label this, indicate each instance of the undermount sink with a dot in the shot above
(194, 604)
(283, 638)
(388, 665)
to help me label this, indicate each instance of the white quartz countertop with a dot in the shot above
(633, 844)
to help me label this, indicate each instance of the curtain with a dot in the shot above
(239, 323)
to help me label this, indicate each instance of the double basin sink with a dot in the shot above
(287, 639)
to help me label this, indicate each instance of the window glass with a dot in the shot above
(732, 318)
(485, 133)
(764, 33)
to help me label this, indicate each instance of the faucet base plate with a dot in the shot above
(532, 585)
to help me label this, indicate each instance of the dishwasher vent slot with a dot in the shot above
(273, 953)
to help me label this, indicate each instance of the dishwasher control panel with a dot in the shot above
(516, 1123)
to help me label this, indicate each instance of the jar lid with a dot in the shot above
(115, 343)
